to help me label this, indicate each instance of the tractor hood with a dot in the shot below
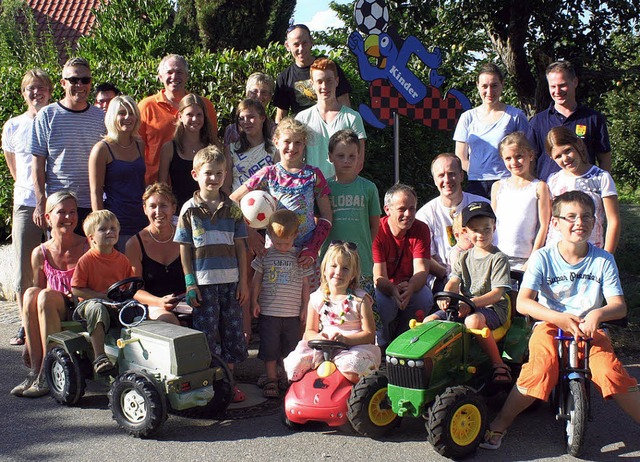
(416, 342)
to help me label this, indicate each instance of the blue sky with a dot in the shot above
(316, 14)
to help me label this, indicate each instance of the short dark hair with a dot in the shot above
(562, 66)
(347, 136)
(107, 86)
(577, 197)
(491, 68)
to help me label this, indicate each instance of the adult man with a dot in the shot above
(588, 124)
(401, 261)
(329, 116)
(159, 112)
(61, 140)
(438, 213)
(36, 90)
(105, 92)
(293, 87)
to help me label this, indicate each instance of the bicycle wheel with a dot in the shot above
(576, 407)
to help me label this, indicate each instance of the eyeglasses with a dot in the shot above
(587, 218)
(77, 80)
(349, 245)
(256, 93)
(296, 26)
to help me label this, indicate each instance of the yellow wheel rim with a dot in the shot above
(378, 414)
(465, 425)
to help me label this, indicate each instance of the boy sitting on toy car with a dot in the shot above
(571, 280)
(96, 270)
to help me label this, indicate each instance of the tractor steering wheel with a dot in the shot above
(454, 302)
(124, 290)
(328, 347)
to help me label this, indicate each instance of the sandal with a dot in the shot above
(270, 389)
(238, 395)
(262, 381)
(18, 340)
(102, 365)
(492, 440)
(501, 374)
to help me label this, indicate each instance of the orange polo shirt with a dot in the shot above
(157, 124)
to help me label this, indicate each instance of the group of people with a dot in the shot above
(157, 194)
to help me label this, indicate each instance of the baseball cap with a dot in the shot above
(477, 209)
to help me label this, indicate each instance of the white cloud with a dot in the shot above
(322, 20)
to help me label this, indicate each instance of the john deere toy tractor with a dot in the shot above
(437, 371)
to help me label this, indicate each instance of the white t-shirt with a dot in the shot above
(245, 164)
(15, 136)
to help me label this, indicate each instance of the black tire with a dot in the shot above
(576, 407)
(64, 378)
(222, 391)
(137, 405)
(456, 422)
(296, 427)
(369, 409)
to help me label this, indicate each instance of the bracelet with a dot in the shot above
(190, 280)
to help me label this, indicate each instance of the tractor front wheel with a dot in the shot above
(369, 409)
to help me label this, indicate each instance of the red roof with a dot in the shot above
(68, 19)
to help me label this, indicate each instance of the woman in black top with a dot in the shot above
(155, 257)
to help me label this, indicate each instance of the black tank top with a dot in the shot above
(161, 280)
(182, 182)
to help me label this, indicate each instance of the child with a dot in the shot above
(254, 148)
(298, 187)
(355, 203)
(577, 174)
(95, 272)
(521, 202)
(462, 240)
(338, 311)
(482, 274)
(279, 296)
(574, 304)
(212, 233)
(328, 116)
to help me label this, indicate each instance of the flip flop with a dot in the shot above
(488, 436)
(238, 395)
(18, 340)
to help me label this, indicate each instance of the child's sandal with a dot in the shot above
(501, 374)
(492, 440)
(238, 395)
(102, 365)
(270, 389)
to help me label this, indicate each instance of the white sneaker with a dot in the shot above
(38, 388)
(18, 390)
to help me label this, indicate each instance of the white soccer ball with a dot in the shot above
(257, 207)
(371, 16)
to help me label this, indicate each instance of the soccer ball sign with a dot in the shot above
(371, 16)
(257, 207)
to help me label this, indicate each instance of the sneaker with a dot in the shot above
(38, 388)
(18, 390)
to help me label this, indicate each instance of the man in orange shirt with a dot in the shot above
(159, 112)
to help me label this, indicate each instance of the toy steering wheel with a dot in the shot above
(454, 302)
(125, 290)
(323, 344)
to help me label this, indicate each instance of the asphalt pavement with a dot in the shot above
(40, 429)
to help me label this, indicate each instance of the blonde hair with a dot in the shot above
(283, 224)
(349, 257)
(95, 219)
(456, 225)
(58, 197)
(517, 139)
(36, 75)
(291, 125)
(208, 155)
(129, 104)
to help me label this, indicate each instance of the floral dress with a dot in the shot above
(345, 318)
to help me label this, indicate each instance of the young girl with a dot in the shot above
(194, 131)
(298, 187)
(522, 203)
(339, 311)
(577, 174)
(254, 148)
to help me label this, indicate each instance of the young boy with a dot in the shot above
(482, 274)
(279, 296)
(571, 281)
(354, 201)
(328, 116)
(95, 272)
(212, 233)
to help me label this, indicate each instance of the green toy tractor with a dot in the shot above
(437, 371)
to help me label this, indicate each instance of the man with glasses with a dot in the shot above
(61, 140)
(294, 91)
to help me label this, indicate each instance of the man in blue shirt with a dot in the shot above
(588, 124)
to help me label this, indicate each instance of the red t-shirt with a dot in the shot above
(399, 254)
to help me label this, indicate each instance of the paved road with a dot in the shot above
(41, 429)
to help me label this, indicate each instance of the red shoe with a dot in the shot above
(238, 395)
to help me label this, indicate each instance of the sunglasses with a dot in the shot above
(296, 26)
(347, 244)
(77, 80)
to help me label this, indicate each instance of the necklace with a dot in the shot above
(162, 242)
(125, 147)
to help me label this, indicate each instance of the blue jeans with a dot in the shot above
(395, 321)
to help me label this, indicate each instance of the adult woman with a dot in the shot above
(155, 257)
(36, 88)
(116, 168)
(480, 130)
(49, 302)
(193, 132)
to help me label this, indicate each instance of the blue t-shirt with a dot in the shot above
(588, 124)
(574, 289)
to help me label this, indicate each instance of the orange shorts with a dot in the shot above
(540, 375)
